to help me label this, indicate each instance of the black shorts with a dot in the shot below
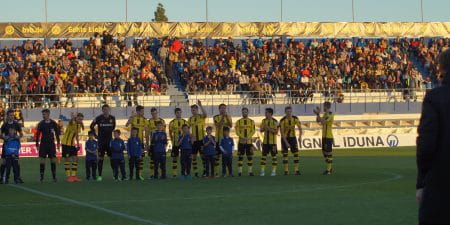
(103, 147)
(245, 149)
(47, 150)
(175, 151)
(292, 143)
(327, 145)
(68, 151)
(272, 149)
(197, 147)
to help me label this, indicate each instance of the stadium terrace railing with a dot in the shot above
(94, 100)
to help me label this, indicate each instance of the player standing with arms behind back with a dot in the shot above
(220, 121)
(197, 123)
(289, 139)
(106, 123)
(49, 131)
(175, 130)
(269, 128)
(245, 129)
(327, 135)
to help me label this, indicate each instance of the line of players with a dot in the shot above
(104, 125)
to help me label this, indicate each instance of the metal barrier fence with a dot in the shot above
(92, 100)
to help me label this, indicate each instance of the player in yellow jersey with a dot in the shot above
(327, 135)
(220, 121)
(289, 139)
(245, 129)
(139, 122)
(70, 145)
(175, 130)
(152, 128)
(197, 123)
(269, 129)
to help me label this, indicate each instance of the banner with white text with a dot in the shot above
(361, 141)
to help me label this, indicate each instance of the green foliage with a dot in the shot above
(160, 14)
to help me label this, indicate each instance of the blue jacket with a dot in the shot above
(227, 145)
(91, 145)
(12, 146)
(185, 142)
(117, 148)
(210, 149)
(134, 147)
(159, 141)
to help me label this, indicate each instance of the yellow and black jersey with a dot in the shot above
(327, 125)
(270, 138)
(197, 124)
(141, 124)
(176, 129)
(72, 130)
(152, 125)
(227, 122)
(288, 125)
(245, 129)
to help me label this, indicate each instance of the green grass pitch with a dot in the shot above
(371, 186)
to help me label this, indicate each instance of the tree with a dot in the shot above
(160, 14)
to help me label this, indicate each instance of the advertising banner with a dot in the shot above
(29, 149)
(225, 29)
(361, 141)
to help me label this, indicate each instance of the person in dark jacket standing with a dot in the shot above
(118, 161)
(159, 143)
(433, 153)
(134, 150)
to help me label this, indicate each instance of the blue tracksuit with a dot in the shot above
(12, 146)
(91, 145)
(209, 151)
(159, 142)
(134, 147)
(134, 151)
(12, 150)
(117, 160)
(117, 146)
(91, 159)
(227, 145)
(186, 154)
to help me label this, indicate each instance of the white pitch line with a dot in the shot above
(84, 204)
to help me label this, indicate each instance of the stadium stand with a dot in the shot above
(359, 75)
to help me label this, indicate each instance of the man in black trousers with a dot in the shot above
(433, 151)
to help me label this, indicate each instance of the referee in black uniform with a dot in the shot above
(47, 132)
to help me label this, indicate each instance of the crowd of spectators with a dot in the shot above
(275, 65)
(106, 65)
(102, 65)
(427, 52)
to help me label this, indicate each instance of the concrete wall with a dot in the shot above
(255, 110)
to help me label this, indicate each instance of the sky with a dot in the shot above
(226, 10)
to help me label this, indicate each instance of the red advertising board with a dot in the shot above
(29, 149)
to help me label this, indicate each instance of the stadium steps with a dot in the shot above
(177, 97)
